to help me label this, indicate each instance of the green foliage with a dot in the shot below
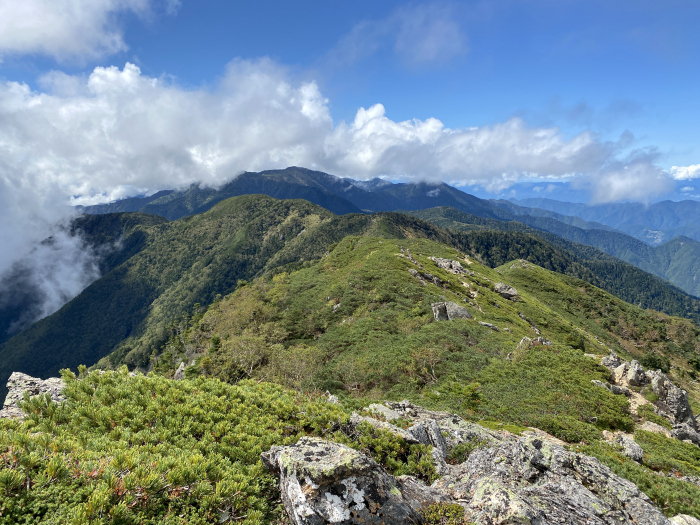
(571, 251)
(393, 453)
(461, 451)
(444, 514)
(359, 324)
(149, 450)
(654, 361)
(647, 413)
(568, 428)
(672, 495)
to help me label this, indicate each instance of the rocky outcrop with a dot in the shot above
(617, 390)
(323, 482)
(672, 401)
(447, 311)
(506, 479)
(454, 267)
(627, 444)
(180, 372)
(505, 291)
(20, 383)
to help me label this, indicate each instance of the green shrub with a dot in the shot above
(568, 429)
(460, 452)
(148, 450)
(444, 514)
(393, 453)
(653, 361)
(647, 412)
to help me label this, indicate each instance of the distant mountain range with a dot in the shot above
(654, 224)
(616, 229)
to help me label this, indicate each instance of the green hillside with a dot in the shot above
(357, 322)
(112, 238)
(676, 260)
(360, 325)
(177, 265)
(172, 267)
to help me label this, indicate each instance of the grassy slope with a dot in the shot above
(614, 275)
(358, 324)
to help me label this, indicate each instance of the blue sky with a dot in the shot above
(102, 99)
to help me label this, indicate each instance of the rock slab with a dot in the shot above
(20, 383)
(323, 482)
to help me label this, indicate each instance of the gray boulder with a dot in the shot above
(617, 390)
(673, 401)
(505, 479)
(384, 411)
(323, 482)
(450, 265)
(505, 291)
(636, 375)
(630, 448)
(180, 372)
(20, 383)
(611, 361)
(685, 432)
(447, 311)
(684, 519)
(533, 481)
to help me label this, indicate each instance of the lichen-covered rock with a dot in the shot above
(630, 448)
(650, 426)
(323, 482)
(636, 375)
(20, 383)
(617, 390)
(611, 361)
(356, 420)
(384, 411)
(489, 325)
(673, 401)
(505, 479)
(180, 372)
(526, 480)
(447, 311)
(505, 291)
(451, 266)
(685, 432)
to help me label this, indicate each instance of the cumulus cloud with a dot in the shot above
(117, 132)
(69, 29)
(637, 181)
(685, 172)
(418, 34)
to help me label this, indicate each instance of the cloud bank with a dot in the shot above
(69, 29)
(117, 133)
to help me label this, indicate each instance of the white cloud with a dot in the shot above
(685, 172)
(637, 181)
(68, 29)
(117, 132)
(418, 34)
(687, 188)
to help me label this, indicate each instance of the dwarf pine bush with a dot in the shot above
(148, 450)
